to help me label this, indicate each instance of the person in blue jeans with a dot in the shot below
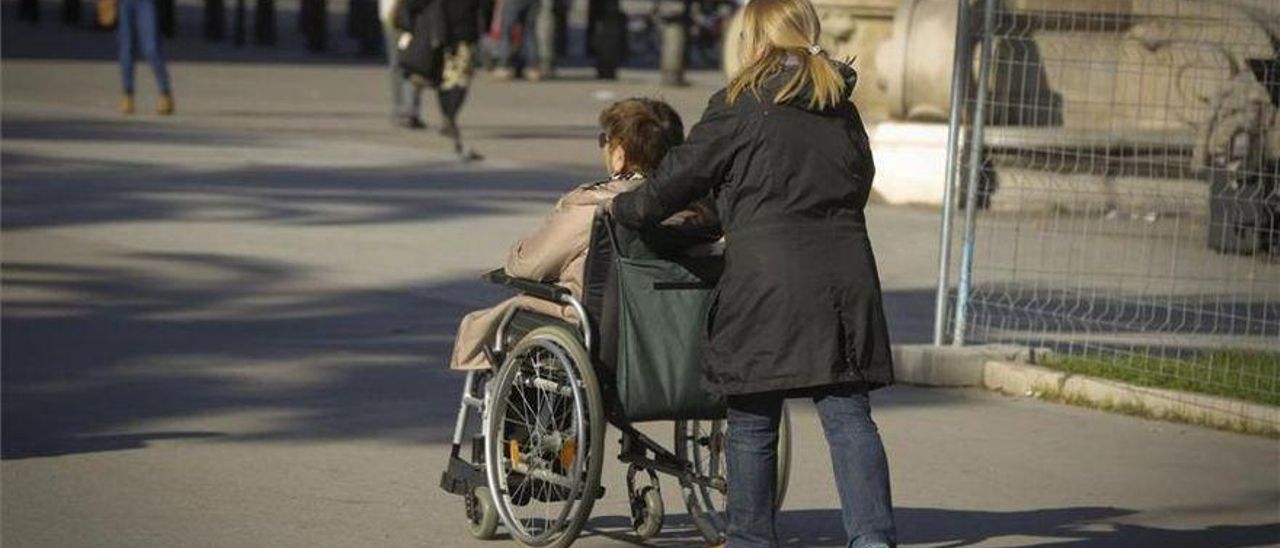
(138, 29)
(857, 457)
(798, 311)
(508, 54)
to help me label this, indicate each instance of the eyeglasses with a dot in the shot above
(602, 139)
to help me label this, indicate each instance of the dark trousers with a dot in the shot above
(857, 456)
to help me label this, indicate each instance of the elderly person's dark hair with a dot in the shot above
(645, 129)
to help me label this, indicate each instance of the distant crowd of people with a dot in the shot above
(428, 43)
(439, 44)
(436, 44)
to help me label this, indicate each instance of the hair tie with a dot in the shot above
(815, 49)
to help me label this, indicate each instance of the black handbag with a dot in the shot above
(423, 54)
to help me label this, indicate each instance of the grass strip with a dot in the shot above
(1240, 374)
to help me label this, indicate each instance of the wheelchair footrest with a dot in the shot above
(462, 477)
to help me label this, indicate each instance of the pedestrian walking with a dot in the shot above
(362, 25)
(438, 50)
(526, 39)
(138, 29)
(406, 97)
(798, 310)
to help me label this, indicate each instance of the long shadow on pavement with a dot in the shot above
(87, 374)
(106, 191)
(93, 354)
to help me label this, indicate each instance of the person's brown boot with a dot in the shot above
(126, 103)
(164, 106)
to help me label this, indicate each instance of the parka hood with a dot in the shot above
(805, 97)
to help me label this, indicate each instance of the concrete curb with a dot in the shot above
(928, 365)
(1010, 369)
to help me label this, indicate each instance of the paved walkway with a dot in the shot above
(228, 328)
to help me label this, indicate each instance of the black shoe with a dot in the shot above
(409, 122)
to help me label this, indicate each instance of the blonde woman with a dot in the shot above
(798, 311)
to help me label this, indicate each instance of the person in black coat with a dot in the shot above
(449, 30)
(798, 311)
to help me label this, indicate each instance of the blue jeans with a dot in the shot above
(857, 456)
(513, 11)
(406, 97)
(138, 29)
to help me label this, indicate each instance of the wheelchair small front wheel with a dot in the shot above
(544, 438)
(647, 509)
(482, 517)
(647, 512)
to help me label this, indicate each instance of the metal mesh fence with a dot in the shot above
(1123, 158)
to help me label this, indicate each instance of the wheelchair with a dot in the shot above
(528, 445)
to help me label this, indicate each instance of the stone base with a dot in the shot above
(911, 162)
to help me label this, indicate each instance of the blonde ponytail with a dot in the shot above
(774, 30)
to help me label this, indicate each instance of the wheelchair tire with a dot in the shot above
(482, 519)
(544, 411)
(647, 518)
(701, 443)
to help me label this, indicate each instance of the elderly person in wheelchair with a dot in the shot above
(606, 330)
(635, 136)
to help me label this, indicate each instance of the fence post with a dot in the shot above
(975, 165)
(959, 79)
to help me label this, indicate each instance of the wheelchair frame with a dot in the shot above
(463, 477)
(475, 481)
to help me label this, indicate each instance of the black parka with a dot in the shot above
(799, 303)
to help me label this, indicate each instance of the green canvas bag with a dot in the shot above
(661, 325)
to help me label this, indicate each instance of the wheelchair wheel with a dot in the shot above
(702, 444)
(544, 438)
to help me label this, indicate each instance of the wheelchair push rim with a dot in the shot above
(544, 438)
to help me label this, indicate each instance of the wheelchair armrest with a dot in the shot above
(545, 291)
